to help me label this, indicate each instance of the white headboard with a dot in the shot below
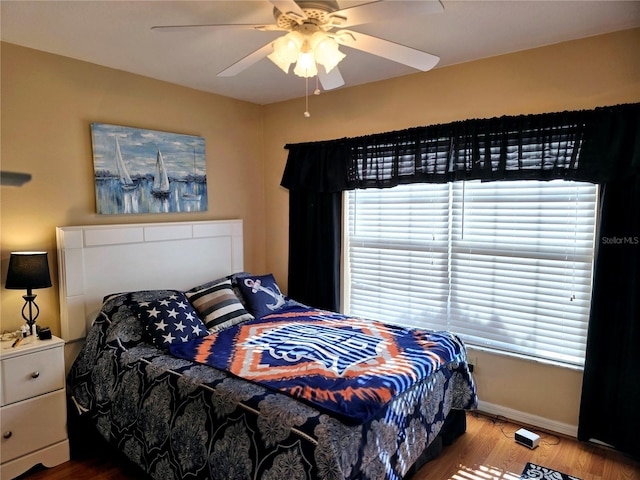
(95, 261)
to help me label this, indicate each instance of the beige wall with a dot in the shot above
(48, 104)
(584, 74)
(49, 101)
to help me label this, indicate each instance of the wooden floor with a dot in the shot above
(486, 451)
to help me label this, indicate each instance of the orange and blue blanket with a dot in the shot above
(344, 365)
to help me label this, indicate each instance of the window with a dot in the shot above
(506, 265)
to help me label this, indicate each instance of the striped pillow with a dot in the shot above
(218, 306)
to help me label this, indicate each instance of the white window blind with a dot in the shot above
(506, 265)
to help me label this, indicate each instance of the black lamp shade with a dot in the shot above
(28, 270)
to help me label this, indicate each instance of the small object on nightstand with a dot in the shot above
(44, 333)
(16, 342)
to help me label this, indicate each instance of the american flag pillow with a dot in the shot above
(171, 320)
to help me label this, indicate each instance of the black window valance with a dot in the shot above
(591, 145)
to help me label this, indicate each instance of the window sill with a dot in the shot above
(543, 361)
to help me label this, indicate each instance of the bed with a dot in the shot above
(210, 372)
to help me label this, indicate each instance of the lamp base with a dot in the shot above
(31, 305)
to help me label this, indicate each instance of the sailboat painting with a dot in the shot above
(147, 171)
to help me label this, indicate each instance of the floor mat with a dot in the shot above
(532, 471)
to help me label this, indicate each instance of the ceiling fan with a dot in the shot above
(13, 179)
(316, 29)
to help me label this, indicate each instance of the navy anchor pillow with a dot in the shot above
(171, 320)
(263, 296)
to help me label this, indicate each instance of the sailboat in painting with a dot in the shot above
(161, 187)
(190, 195)
(123, 173)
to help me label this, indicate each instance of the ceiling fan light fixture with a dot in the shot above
(306, 65)
(306, 50)
(326, 51)
(286, 50)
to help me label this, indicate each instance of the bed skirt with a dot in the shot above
(454, 426)
(85, 440)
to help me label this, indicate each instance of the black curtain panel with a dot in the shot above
(610, 402)
(316, 175)
(611, 384)
(600, 146)
(315, 233)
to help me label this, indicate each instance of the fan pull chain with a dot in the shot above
(307, 114)
(306, 97)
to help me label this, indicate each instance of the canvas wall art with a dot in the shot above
(147, 171)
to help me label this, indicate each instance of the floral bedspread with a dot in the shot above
(178, 419)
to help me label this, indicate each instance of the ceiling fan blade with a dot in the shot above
(247, 61)
(220, 26)
(290, 8)
(381, 10)
(330, 80)
(13, 179)
(384, 48)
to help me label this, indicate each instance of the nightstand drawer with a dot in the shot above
(27, 376)
(32, 425)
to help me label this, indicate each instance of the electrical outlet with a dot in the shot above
(473, 363)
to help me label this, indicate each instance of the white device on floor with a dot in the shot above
(527, 438)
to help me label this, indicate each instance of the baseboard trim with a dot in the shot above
(529, 419)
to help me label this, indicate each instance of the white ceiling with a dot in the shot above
(118, 34)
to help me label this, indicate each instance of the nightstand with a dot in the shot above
(33, 410)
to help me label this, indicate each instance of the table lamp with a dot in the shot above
(28, 271)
